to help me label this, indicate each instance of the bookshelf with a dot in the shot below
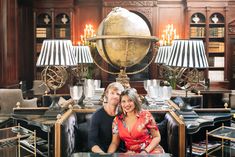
(62, 26)
(49, 24)
(211, 29)
(43, 30)
(198, 26)
(216, 50)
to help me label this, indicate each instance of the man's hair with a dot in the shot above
(114, 85)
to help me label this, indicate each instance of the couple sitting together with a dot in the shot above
(132, 125)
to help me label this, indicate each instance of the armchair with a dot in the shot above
(9, 98)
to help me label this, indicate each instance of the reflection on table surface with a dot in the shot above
(119, 155)
(224, 132)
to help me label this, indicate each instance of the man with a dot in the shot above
(100, 130)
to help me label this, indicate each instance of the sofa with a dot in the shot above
(73, 133)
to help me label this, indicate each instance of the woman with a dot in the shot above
(136, 127)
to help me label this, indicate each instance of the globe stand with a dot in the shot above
(123, 79)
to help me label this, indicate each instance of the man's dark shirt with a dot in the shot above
(100, 130)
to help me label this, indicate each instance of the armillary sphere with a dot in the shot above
(189, 78)
(55, 77)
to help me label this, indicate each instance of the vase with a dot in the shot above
(196, 19)
(215, 19)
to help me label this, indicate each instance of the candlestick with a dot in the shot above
(168, 35)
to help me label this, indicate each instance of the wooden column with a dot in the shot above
(8, 44)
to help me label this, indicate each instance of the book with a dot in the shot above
(199, 148)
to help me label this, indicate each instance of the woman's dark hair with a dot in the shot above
(133, 95)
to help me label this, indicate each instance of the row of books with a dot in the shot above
(200, 32)
(197, 32)
(41, 32)
(38, 47)
(44, 32)
(61, 32)
(216, 61)
(216, 32)
(216, 47)
(216, 75)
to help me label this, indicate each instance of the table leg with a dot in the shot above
(49, 143)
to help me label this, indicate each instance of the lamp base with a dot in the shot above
(54, 108)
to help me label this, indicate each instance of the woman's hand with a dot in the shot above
(143, 151)
(130, 152)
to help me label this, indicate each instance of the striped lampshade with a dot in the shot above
(188, 54)
(82, 54)
(163, 54)
(56, 53)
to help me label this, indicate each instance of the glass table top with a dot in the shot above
(224, 132)
(88, 154)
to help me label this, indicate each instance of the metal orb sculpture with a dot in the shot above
(123, 40)
(55, 77)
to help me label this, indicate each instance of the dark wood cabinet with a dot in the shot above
(212, 33)
(231, 49)
(50, 24)
(209, 24)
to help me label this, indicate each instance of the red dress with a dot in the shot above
(139, 137)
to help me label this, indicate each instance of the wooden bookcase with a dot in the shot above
(210, 27)
(49, 24)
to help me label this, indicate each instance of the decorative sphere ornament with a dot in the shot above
(123, 40)
(55, 77)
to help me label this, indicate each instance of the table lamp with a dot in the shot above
(83, 58)
(188, 54)
(163, 55)
(55, 55)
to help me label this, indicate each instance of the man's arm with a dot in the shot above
(93, 133)
(97, 149)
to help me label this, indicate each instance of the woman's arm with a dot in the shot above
(114, 144)
(155, 141)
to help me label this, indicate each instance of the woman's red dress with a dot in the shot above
(139, 137)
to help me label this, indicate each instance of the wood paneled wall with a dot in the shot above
(16, 26)
(8, 43)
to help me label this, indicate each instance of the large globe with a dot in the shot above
(123, 38)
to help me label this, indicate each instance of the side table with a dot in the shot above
(19, 138)
(223, 133)
(33, 118)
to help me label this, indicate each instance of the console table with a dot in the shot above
(212, 97)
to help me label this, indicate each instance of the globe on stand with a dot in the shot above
(123, 40)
